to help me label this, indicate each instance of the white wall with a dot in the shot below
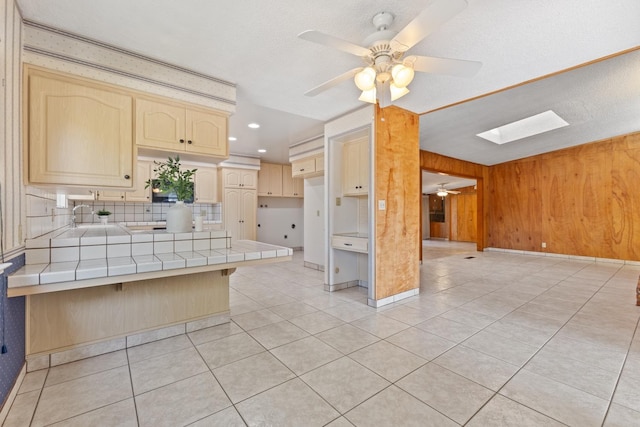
(275, 217)
(314, 229)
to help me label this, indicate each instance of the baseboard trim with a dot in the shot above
(11, 397)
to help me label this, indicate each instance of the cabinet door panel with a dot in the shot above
(141, 194)
(205, 185)
(231, 212)
(79, 134)
(160, 125)
(249, 214)
(206, 133)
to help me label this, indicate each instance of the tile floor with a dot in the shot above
(499, 339)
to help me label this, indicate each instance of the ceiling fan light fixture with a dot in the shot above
(441, 193)
(366, 79)
(402, 75)
(368, 95)
(397, 92)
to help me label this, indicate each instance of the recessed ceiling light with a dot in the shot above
(233, 138)
(534, 125)
(262, 150)
(253, 125)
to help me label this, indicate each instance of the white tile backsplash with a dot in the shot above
(135, 212)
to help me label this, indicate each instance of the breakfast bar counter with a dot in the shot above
(93, 288)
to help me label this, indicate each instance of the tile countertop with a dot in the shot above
(93, 255)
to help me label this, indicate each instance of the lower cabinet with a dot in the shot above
(239, 212)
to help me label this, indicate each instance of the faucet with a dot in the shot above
(73, 217)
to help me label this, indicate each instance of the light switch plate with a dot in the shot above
(382, 205)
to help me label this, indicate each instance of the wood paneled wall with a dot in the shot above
(397, 179)
(579, 201)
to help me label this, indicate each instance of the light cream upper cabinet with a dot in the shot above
(355, 167)
(308, 167)
(78, 132)
(143, 174)
(270, 180)
(110, 196)
(291, 187)
(180, 128)
(205, 185)
(238, 178)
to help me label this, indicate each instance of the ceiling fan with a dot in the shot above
(387, 70)
(442, 192)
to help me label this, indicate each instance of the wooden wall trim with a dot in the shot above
(397, 228)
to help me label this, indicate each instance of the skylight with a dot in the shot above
(534, 125)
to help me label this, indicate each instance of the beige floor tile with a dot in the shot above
(535, 321)
(409, 315)
(33, 381)
(22, 409)
(214, 333)
(328, 299)
(293, 309)
(121, 414)
(71, 398)
(158, 348)
(256, 319)
(340, 422)
(387, 360)
(520, 333)
(602, 357)
(479, 367)
(447, 329)
(316, 322)
(346, 338)
(159, 371)
(229, 349)
(423, 344)
(503, 412)
(467, 317)
(250, 376)
(574, 373)
(344, 383)
(348, 312)
(628, 392)
(619, 416)
(395, 407)
(380, 325)
(291, 404)
(80, 368)
(277, 334)
(449, 393)
(227, 417)
(514, 352)
(556, 400)
(306, 354)
(182, 402)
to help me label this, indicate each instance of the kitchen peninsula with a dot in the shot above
(94, 289)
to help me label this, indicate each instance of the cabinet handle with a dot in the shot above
(302, 170)
(348, 244)
(189, 142)
(127, 177)
(182, 141)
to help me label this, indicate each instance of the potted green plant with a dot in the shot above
(169, 177)
(103, 215)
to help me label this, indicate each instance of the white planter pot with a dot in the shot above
(179, 218)
(104, 219)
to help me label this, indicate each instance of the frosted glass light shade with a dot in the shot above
(365, 79)
(402, 75)
(368, 95)
(441, 193)
(397, 92)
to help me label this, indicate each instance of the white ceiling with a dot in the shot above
(431, 182)
(253, 43)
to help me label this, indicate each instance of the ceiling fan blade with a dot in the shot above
(333, 82)
(452, 191)
(327, 40)
(452, 67)
(436, 14)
